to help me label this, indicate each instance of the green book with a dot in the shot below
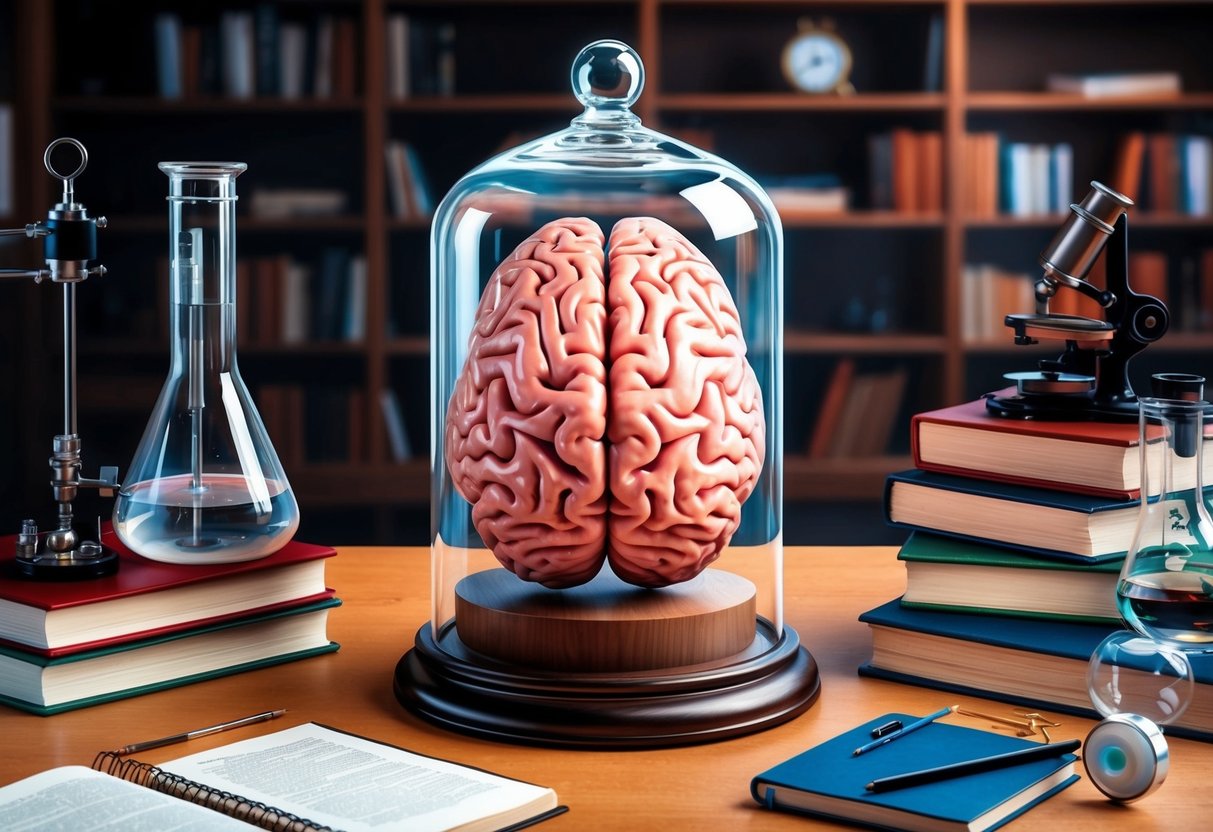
(45, 686)
(965, 575)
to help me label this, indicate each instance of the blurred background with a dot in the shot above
(917, 185)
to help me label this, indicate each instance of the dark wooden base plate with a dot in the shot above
(770, 682)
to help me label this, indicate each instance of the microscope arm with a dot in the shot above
(1047, 287)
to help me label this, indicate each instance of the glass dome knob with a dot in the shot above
(608, 74)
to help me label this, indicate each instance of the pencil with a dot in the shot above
(199, 732)
(997, 761)
(913, 726)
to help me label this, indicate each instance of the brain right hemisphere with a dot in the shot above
(536, 408)
(686, 429)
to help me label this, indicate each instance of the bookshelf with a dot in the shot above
(875, 286)
(9, 373)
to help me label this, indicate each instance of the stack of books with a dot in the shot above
(1019, 529)
(151, 625)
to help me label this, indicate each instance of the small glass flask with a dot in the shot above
(1166, 585)
(205, 484)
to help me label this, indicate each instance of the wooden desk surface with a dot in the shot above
(386, 595)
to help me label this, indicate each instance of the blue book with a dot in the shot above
(1037, 663)
(828, 780)
(1058, 524)
(168, 55)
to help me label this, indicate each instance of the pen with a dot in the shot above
(997, 761)
(886, 729)
(200, 732)
(913, 726)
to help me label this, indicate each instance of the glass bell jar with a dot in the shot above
(205, 484)
(607, 441)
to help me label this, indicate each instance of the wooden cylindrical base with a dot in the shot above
(605, 625)
(771, 681)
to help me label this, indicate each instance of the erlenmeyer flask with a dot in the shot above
(205, 484)
(1166, 584)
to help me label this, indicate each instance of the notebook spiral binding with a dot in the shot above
(249, 811)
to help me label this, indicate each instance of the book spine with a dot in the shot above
(168, 55)
(266, 35)
(7, 190)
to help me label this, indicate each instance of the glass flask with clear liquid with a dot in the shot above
(205, 484)
(1166, 585)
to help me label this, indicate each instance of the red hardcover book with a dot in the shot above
(1097, 458)
(905, 171)
(830, 412)
(930, 171)
(145, 598)
(1128, 172)
(1163, 172)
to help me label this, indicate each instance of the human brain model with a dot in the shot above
(606, 409)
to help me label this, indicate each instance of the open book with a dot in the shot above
(302, 778)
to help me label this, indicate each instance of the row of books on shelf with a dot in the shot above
(328, 423)
(1017, 533)
(287, 301)
(905, 171)
(310, 424)
(420, 56)
(290, 203)
(1162, 172)
(1166, 172)
(408, 189)
(858, 411)
(989, 292)
(152, 625)
(256, 52)
(1018, 179)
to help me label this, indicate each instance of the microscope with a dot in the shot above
(1089, 380)
(69, 241)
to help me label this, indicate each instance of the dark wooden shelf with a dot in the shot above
(487, 102)
(1052, 101)
(1006, 346)
(134, 224)
(1137, 219)
(408, 345)
(409, 224)
(127, 347)
(150, 104)
(1080, 3)
(867, 343)
(348, 484)
(861, 479)
(861, 219)
(749, 102)
(777, 3)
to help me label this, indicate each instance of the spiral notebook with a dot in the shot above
(309, 777)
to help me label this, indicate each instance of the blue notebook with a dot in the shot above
(828, 780)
